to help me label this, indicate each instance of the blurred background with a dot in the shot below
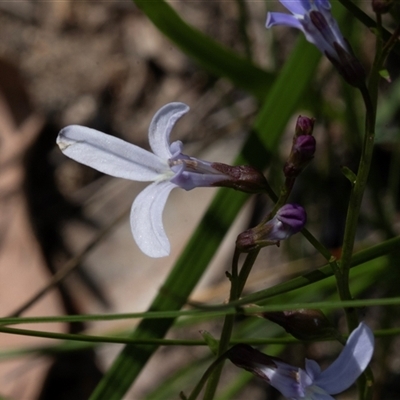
(104, 65)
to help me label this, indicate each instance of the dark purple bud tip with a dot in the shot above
(293, 217)
(304, 126)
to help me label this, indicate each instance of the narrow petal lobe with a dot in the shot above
(146, 219)
(350, 364)
(161, 126)
(109, 154)
(276, 18)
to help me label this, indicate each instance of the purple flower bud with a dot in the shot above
(289, 220)
(303, 147)
(303, 324)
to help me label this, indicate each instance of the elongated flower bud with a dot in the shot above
(242, 177)
(303, 324)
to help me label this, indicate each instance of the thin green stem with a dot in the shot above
(370, 97)
(317, 245)
(356, 196)
(342, 276)
(227, 328)
(246, 268)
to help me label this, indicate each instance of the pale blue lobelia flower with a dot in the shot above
(315, 20)
(165, 166)
(312, 383)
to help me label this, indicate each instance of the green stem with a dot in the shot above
(370, 100)
(370, 97)
(227, 328)
(246, 268)
(342, 276)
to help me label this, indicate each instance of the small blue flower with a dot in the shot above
(314, 19)
(287, 221)
(312, 383)
(165, 166)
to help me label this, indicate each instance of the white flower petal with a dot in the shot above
(161, 126)
(146, 219)
(350, 364)
(109, 154)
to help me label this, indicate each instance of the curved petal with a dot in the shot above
(275, 18)
(351, 362)
(109, 154)
(161, 126)
(146, 219)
